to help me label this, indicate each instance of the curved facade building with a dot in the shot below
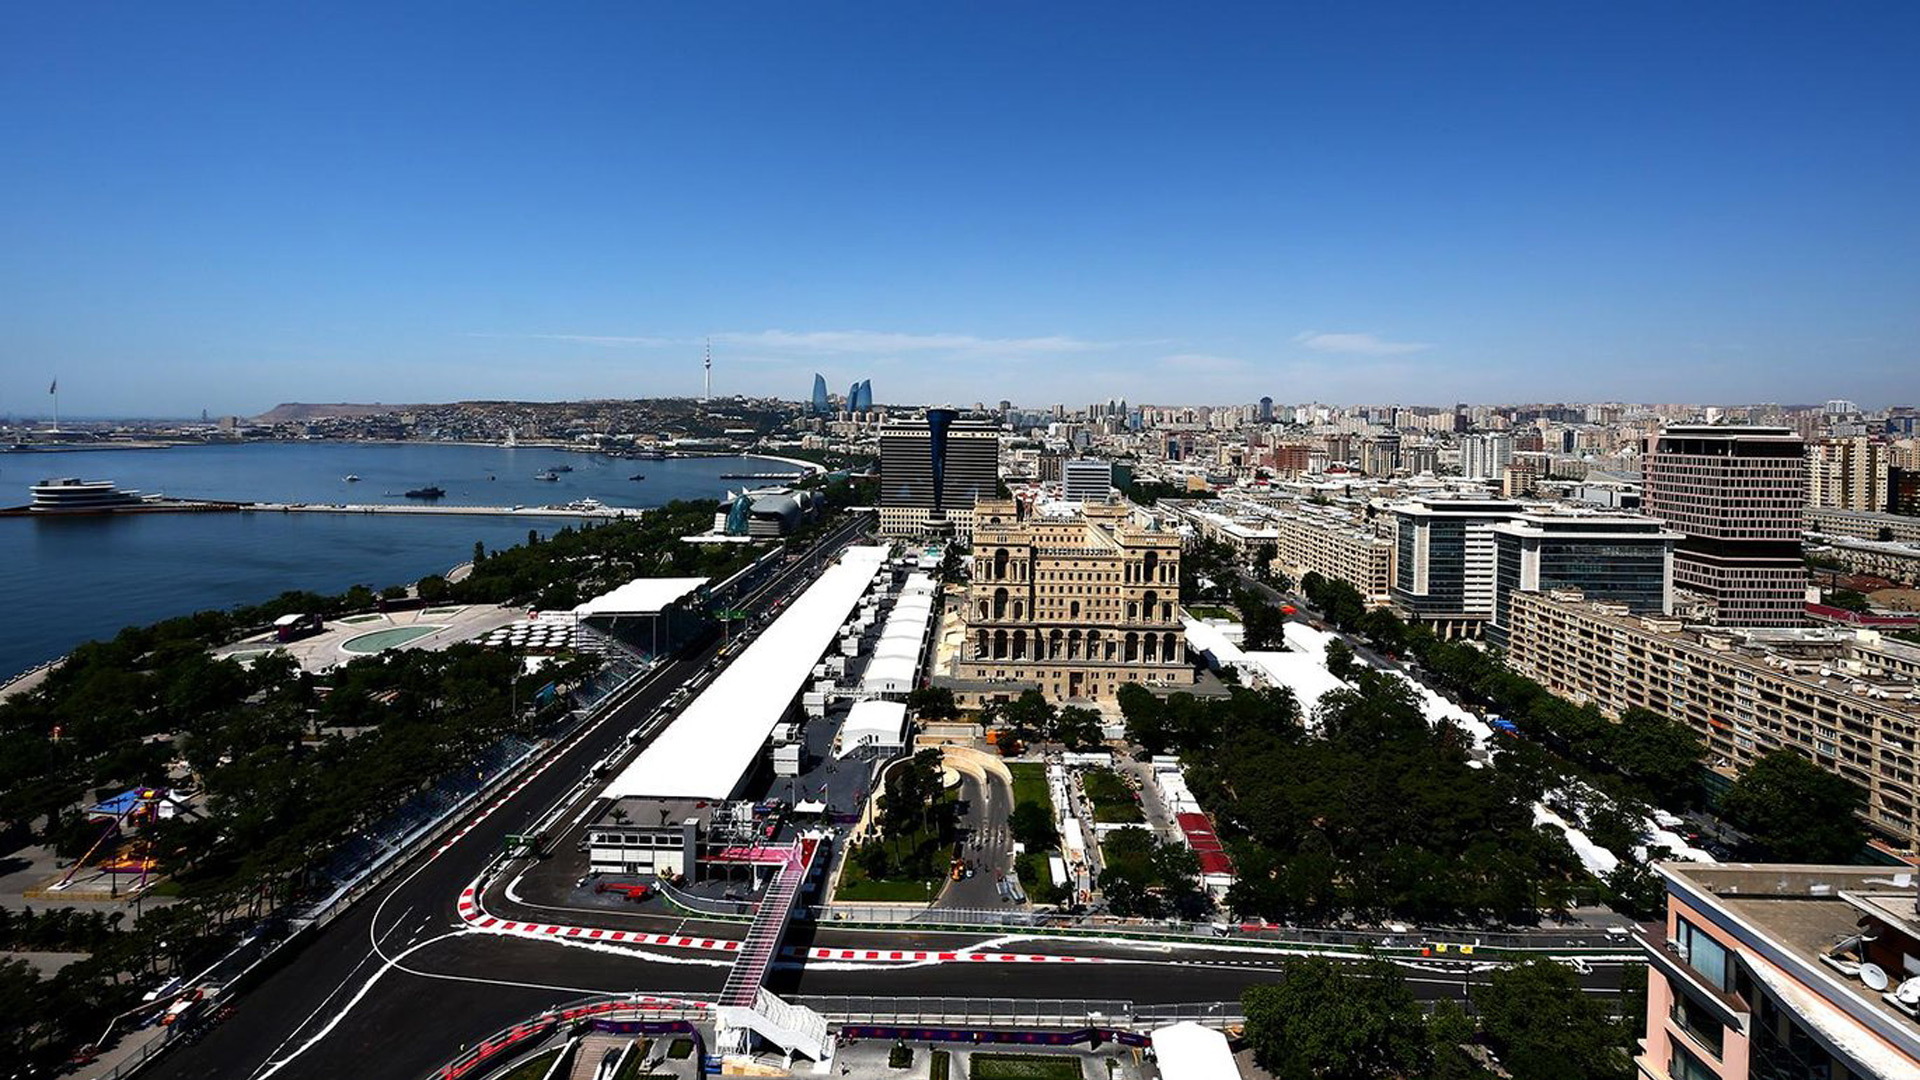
(819, 393)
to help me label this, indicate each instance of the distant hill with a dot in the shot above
(295, 411)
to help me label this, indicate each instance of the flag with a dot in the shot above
(55, 388)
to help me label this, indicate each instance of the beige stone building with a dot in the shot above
(1846, 699)
(1075, 606)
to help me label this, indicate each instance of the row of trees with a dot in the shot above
(1360, 1021)
(1377, 814)
(1792, 809)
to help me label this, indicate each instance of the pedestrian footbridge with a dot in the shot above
(746, 1008)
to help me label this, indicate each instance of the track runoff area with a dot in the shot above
(442, 956)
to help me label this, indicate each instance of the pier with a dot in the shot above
(201, 506)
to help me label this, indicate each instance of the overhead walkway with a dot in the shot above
(746, 1007)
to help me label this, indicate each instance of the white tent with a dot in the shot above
(641, 596)
(1188, 1051)
(874, 722)
(709, 747)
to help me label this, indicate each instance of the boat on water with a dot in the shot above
(561, 468)
(548, 475)
(351, 478)
(72, 495)
(648, 455)
(638, 476)
(428, 492)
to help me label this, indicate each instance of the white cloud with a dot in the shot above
(1356, 344)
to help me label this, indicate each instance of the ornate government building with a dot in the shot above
(1075, 606)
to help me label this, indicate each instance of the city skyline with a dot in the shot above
(1637, 204)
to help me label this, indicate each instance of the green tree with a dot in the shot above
(1032, 825)
(1796, 810)
(1340, 661)
(1545, 1027)
(1030, 717)
(434, 589)
(1336, 1021)
(1663, 755)
(933, 703)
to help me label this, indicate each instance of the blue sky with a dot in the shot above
(229, 206)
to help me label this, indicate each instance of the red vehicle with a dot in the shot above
(1289, 609)
(635, 893)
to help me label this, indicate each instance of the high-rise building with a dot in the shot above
(1087, 480)
(1848, 474)
(1443, 570)
(1735, 494)
(1783, 973)
(1266, 410)
(1074, 606)
(1620, 558)
(932, 470)
(1380, 455)
(820, 402)
(1485, 456)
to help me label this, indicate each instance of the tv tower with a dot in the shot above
(707, 394)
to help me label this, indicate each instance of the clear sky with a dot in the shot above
(228, 206)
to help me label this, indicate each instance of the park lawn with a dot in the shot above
(1023, 1067)
(534, 1067)
(1030, 784)
(855, 885)
(1208, 611)
(1113, 801)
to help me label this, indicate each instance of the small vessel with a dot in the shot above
(561, 468)
(548, 475)
(428, 492)
(351, 478)
(638, 476)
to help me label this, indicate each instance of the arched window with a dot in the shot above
(1133, 610)
(1133, 647)
(1019, 644)
(1073, 610)
(1073, 645)
(999, 604)
(1150, 566)
(1150, 646)
(1170, 651)
(982, 647)
(1150, 606)
(1054, 649)
(1000, 564)
(983, 609)
(999, 644)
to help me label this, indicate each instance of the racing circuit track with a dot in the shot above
(413, 972)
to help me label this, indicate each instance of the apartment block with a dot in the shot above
(1848, 474)
(1846, 699)
(1783, 972)
(1862, 524)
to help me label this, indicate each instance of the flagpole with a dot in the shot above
(55, 391)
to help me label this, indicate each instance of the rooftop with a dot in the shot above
(641, 596)
(710, 747)
(1805, 921)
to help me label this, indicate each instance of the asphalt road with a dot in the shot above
(397, 985)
